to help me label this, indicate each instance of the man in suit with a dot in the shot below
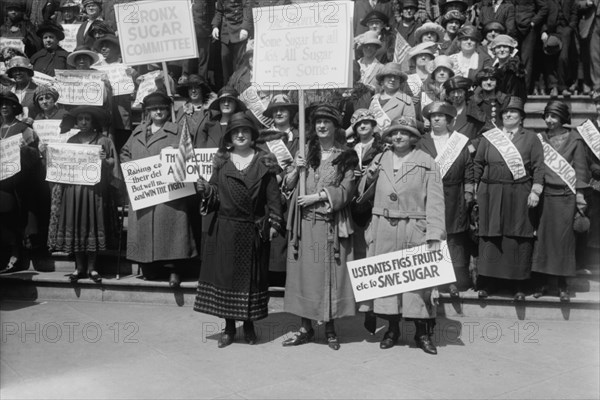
(363, 7)
(232, 25)
(529, 17)
(562, 22)
(203, 13)
(498, 10)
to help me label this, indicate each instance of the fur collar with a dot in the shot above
(266, 135)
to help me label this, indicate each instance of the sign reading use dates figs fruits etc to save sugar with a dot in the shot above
(303, 46)
(156, 31)
(400, 271)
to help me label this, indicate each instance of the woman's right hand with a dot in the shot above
(202, 185)
(42, 147)
(300, 161)
(373, 171)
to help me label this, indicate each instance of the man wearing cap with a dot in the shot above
(408, 24)
(561, 21)
(405, 187)
(457, 176)
(498, 10)
(364, 7)
(52, 56)
(17, 26)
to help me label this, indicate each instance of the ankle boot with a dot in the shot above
(370, 323)
(390, 338)
(422, 336)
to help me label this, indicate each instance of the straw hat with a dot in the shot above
(279, 101)
(79, 51)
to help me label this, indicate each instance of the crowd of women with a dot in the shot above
(415, 153)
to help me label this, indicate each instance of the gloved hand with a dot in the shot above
(202, 186)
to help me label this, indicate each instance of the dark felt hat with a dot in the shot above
(469, 31)
(553, 45)
(156, 100)
(107, 38)
(97, 113)
(10, 97)
(515, 103)
(439, 107)
(494, 26)
(486, 72)
(228, 92)
(457, 82)
(195, 80)
(375, 15)
(51, 27)
(410, 3)
(560, 109)
(101, 27)
(450, 5)
(240, 120)
(324, 110)
(453, 15)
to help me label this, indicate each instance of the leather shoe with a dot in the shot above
(299, 338)
(482, 294)
(225, 340)
(454, 291)
(95, 276)
(425, 344)
(174, 280)
(74, 277)
(564, 296)
(250, 336)
(539, 293)
(390, 339)
(566, 93)
(333, 342)
(519, 296)
(554, 93)
(370, 323)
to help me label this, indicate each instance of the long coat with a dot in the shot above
(46, 62)
(416, 216)
(318, 284)
(231, 16)
(195, 121)
(211, 133)
(161, 232)
(400, 104)
(554, 251)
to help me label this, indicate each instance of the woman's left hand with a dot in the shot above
(308, 199)
(533, 200)
(272, 233)
(102, 154)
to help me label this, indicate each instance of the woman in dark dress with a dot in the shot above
(244, 196)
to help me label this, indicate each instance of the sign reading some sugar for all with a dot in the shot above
(156, 31)
(73, 163)
(401, 271)
(200, 165)
(146, 185)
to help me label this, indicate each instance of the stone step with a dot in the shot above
(582, 108)
(39, 286)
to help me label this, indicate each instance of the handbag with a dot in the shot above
(581, 223)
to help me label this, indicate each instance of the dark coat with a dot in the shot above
(457, 180)
(490, 107)
(245, 206)
(528, 11)
(196, 121)
(231, 17)
(46, 62)
(408, 32)
(503, 207)
(505, 14)
(203, 13)
(363, 7)
(26, 31)
(471, 122)
(569, 12)
(510, 77)
(212, 132)
(161, 232)
(82, 37)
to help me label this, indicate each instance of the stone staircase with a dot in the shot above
(582, 108)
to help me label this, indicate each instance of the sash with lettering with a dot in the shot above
(456, 142)
(508, 151)
(256, 105)
(591, 136)
(558, 164)
(383, 121)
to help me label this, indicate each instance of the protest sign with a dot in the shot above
(41, 79)
(199, 165)
(146, 185)
(47, 129)
(74, 164)
(303, 46)
(69, 43)
(120, 82)
(10, 156)
(14, 42)
(147, 86)
(156, 31)
(80, 87)
(401, 271)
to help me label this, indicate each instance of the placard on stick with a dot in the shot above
(73, 163)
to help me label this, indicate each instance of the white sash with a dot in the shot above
(590, 134)
(558, 164)
(508, 151)
(456, 142)
(383, 121)
(256, 105)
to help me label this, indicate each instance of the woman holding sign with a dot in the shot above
(565, 178)
(160, 235)
(83, 217)
(317, 285)
(509, 168)
(245, 198)
(408, 210)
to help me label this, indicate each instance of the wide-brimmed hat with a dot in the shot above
(98, 113)
(239, 120)
(371, 37)
(393, 69)
(453, 5)
(439, 107)
(18, 4)
(375, 15)
(553, 45)
(69, 4)
(281, 101)
(194, 80)
(324, 110)
(422, 48)
(8, 96)
(453, 15)
(429, 27)
(406, 124)
(503, 40)
(361, 115)
(468, 32)
(82, 50)
(51, 27)
(107, 38)
(515, 103)
(458, 82)
(560, 109)
(19, 62)
(43, 90)
(156, 100)
(228, 92)
(494, 26)
(442, 61)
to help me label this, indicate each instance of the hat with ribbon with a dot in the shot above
(405, 124)
(228, 92)
(82, 50)
(240, 120)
